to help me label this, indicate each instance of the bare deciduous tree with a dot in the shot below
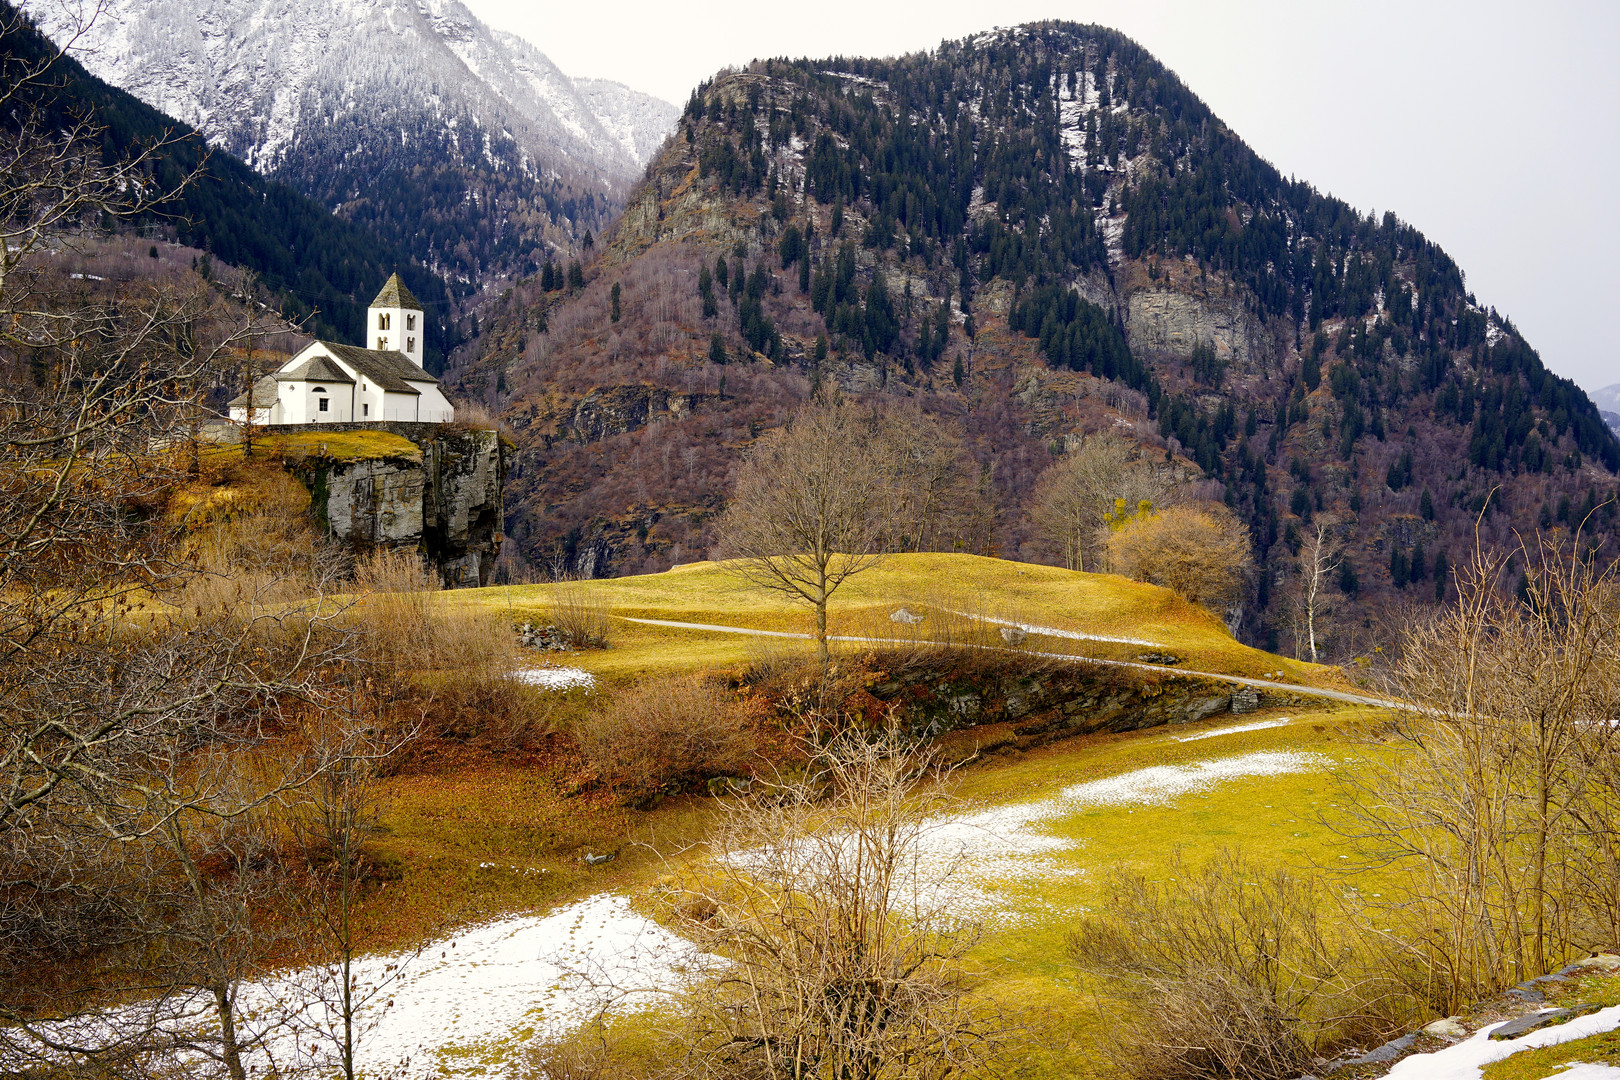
(1312, 593)
(1500, 805)
(845, 946)
(934, 494)
(132, 845)
(336, 812)
(811, 507)
(1076, 491)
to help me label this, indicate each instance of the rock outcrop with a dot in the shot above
(434, 488)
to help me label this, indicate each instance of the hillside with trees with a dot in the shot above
(319, 269)
(1036, 236)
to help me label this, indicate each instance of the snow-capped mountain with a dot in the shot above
(641, 123)
(467, 146)
(1608, 403)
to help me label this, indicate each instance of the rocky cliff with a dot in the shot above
(437, 489)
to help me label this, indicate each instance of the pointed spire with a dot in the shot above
(394, 294)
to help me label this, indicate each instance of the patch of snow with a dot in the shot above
(964, 858)
(1466, 1060)
(452, 1005)
(1258, 725)
(450, 1014)
(1073, 635)
(557, 678)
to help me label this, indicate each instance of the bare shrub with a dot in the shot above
(393, 570)
(424, 641)
(667, 731)
(581, 616)
(846, 950)
(1229, 970)
(1500, 809)
(475, 416)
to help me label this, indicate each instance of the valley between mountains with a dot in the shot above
(894, 568)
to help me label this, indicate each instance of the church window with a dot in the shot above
(322, 406)
(365, 409)
(410, 344)
(410, 321)
(382, 321)
(382, 344)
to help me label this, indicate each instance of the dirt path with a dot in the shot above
(1264, 684)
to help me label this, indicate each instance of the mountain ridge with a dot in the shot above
(322, 270)
(1107, 255)
(466, 147)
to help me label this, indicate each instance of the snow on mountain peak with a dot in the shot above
(255, 75)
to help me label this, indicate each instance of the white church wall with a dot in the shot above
(303, 402)
(435, 407)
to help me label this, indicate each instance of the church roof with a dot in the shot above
(264, 395)
(315, 369)
(393, 371)
(395, 295)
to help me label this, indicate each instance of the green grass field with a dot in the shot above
(502, 837)
(931, 584)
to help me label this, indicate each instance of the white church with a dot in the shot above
(326, 383)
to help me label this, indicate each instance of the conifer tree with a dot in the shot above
(613, 303)
(706, 292)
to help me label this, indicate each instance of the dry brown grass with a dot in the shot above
(254, 545)
(583, 618)
(464, 657)
(667, 731)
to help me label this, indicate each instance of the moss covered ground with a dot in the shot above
(934, 584)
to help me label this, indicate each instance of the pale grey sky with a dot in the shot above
(1492, 127)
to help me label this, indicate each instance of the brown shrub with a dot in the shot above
(459, 657)
(580, 615)
(1231, 969)
(667, 731)
(1200, 552)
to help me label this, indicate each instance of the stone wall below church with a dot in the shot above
(444, 499)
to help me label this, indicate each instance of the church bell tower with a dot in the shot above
(394, 322)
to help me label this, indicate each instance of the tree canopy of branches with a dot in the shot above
(139, 697)
(1075, 492)
(1502, 808)
(846, 949)
(1199, 552)
(812, 506)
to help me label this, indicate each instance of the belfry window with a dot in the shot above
(410, 321)
(382, 320)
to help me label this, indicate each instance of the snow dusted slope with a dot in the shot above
(1608, 403)
(348, 99)
(639, 121)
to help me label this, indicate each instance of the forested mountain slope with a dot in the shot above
(321, 269)
(465, 147)
(1038, 232)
